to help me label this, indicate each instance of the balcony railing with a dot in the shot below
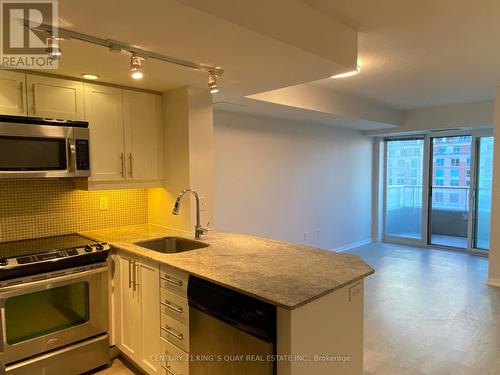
(444, 197)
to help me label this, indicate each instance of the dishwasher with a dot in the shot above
(230, 333)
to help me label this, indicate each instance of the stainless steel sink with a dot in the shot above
(171, 244)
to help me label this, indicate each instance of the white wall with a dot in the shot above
(277, 178)
(494, 255)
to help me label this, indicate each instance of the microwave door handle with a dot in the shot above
(71, 156)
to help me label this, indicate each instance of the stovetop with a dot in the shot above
(43, 245)
(38, 255)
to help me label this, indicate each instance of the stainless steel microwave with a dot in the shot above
(35, 148)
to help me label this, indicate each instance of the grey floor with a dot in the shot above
(429, 312)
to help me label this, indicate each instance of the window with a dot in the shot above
(403, 194)
(455, 162)
(439, 172)
(441, 150)
(439, 182)
(454, 173)
(440, 162)
(454, 182)
(454, 198)
(457, 149)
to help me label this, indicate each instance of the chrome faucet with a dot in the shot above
(198, 229)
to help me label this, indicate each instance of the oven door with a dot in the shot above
(28, 151)
(42, 315)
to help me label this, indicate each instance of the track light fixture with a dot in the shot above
(138, 54)
(52, 48)
(212, 83)
(136, 67)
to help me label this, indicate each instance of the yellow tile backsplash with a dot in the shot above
(38, 208)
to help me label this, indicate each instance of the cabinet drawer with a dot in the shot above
(175, 361)
(174, 306)
(175, 332)
(174, 280)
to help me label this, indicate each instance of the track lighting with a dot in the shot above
(212, 83)
(136, 67)
(52, 48)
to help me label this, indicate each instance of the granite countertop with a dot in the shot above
(283, 274)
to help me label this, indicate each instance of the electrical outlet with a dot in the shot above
(203, 203)
(355, 291)
(103, 203)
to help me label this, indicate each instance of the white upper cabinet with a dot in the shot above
(142, 125)
(104, 113)
(12, 93)
(50, 97)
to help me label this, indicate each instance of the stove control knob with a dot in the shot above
(99, 246)
(88, 248)
(4, 261)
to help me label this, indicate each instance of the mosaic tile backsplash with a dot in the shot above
(38, 208)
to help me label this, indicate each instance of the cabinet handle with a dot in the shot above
(172, 280)
(169, 369)
(136, 271)
(131, 170)
(173, 307)
(21, 104)
(129, 273)
(179, 336)
(122, 162)
(33, 109)
(134, 275)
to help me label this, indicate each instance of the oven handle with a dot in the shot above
(2, 330)
(57, 279)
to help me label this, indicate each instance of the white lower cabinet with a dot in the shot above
(137, 310)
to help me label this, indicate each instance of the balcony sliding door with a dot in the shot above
(438, 190)
(450, 188)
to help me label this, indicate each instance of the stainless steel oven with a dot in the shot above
(34, 148)
(44, 315)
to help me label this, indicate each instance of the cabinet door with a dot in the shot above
(103, 111)
(12, 93)
(57, 98)
(143, 139)
(127, 307)
(148, 280)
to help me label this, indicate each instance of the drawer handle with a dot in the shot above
(171, 280)
(173, 307)
(170, 331)
(169, 370)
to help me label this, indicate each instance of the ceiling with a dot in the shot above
(278, 56)
(257, 56)
(420, 53)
